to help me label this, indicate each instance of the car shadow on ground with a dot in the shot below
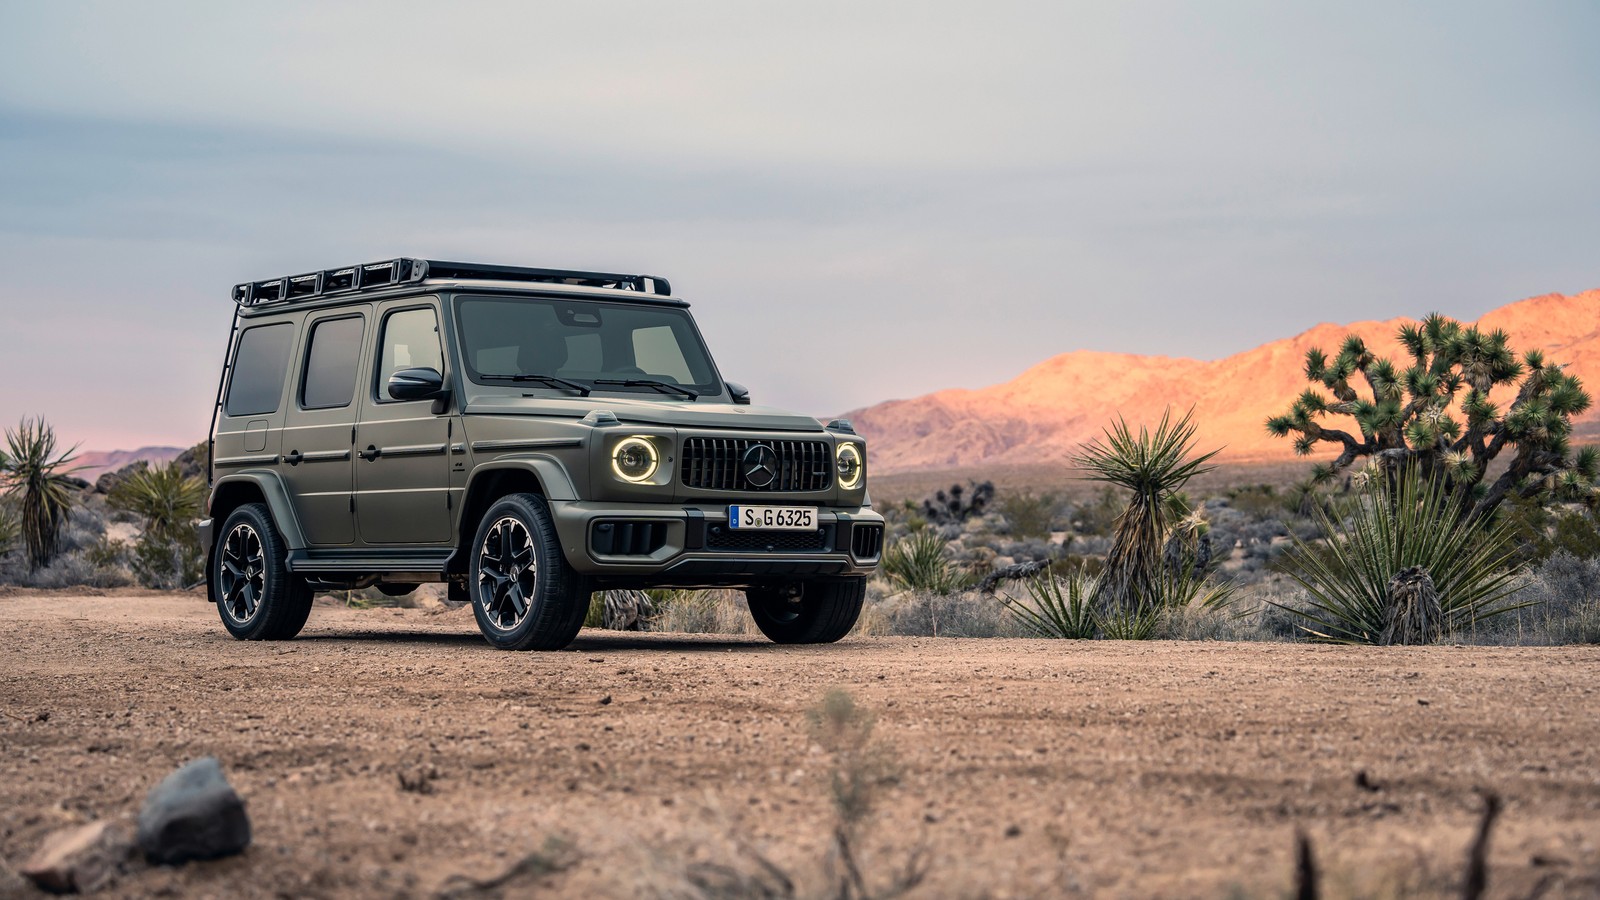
(585, 643)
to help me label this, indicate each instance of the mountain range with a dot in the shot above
(1044, 414)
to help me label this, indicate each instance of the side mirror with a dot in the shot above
(740, 393)
(423, 383)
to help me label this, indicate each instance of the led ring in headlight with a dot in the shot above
(634, 460)
(851, 465)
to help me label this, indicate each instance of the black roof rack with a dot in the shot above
(372, 276)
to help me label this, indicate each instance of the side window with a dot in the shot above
(259, 368)
(329, 380)
(410, 340)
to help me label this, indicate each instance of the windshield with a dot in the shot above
(621, 346)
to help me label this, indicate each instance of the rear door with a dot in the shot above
(402, 465)
(320, 428)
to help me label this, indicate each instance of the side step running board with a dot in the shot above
(362, 562)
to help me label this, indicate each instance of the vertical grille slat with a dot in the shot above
(717, 464)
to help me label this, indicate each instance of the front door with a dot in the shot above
(402, 464)
(319, 429)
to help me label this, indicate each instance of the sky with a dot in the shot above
(863, 200)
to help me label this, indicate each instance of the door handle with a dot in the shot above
(293, 458)
(370, 454)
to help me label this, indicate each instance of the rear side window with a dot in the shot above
(330, 377)
(259, 369)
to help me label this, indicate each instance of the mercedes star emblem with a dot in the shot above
(760, 465)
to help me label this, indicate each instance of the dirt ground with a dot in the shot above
(1026, 768)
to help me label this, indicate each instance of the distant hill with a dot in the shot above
(1043, 414)
(94, 463)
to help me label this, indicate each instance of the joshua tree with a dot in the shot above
(31, 468)
(1153, 467)
(958, 506)
(1437, 415)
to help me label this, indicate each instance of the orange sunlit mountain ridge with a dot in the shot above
(1042, 415)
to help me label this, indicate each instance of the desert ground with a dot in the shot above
(392, 753)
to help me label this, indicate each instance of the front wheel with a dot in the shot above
(257, 596)
(810, 612)
(524, 594)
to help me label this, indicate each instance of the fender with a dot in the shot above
(277, 497)
(549, 470)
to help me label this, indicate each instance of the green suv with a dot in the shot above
(525, 436)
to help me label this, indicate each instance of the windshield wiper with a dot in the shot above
(665, 387)
(582, 389)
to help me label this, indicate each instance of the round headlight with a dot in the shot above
(634, 460)
(851, 465)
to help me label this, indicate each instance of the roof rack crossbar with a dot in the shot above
(371, 276)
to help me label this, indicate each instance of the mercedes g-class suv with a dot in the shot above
(525, 436)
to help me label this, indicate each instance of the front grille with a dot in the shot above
(717, 464)
(721, 537)
(637, 538)
(866, 541)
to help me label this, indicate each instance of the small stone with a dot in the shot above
(83, 858)
(193, 814)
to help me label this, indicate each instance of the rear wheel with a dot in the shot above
(524, 594)
(808, 612)
(257, 596)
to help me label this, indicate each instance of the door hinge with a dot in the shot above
(352, 502)
(352, 434)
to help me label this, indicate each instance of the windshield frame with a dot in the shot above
(715, 389)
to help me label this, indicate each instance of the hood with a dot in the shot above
(679, 413)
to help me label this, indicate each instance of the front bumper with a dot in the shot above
(690, 545)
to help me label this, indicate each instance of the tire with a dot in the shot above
(257, 596)
(823, 612)
(524, 594)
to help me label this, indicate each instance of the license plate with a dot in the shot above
(772, 518)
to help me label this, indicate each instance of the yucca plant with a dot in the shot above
(166, 501)
(32, 470)
(1059, 606)
(1152, 467)
(1394, 533)
(919, 563)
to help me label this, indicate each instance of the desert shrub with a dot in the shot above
(73, 570)
(1097, 517)
(929, 614)
(107, 553)
(700, 612)
(596, 616)
(921, 563)
(1059, 606)
(1028, 514)
(1260, 501)
(1412, 526)
(1559, 603)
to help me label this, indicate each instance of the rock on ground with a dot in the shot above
(193, 814)
(82, 858)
